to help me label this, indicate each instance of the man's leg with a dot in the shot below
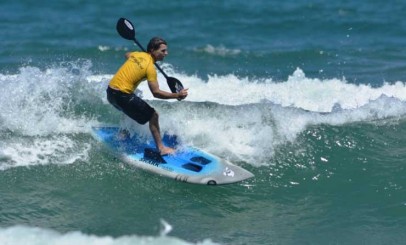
(154, 127)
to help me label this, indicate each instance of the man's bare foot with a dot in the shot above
(166, 151)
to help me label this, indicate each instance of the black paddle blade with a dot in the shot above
(174, 84)
(125, 28)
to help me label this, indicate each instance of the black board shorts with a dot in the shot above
(132, 105)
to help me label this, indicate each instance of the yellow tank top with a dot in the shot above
(138, 67)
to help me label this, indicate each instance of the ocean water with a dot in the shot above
(310, 96)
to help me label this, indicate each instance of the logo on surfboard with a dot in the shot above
(228, 172)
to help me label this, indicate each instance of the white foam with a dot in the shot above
(35, 101)
(298, 91)
(219, 50)
(37, 108)
(245, 119)
(22, 235)
(39, 151)
(250, 118)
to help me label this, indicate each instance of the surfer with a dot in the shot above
(139, 67)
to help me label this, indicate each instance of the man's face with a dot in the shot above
(160, 53)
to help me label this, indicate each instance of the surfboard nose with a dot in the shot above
(229, 174)
(236, 173)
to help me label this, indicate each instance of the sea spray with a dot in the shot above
(241, 119)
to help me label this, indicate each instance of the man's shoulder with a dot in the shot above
(141, 54)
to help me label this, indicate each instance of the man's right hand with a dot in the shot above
(183, 94)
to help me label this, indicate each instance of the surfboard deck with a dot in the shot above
(188, 164)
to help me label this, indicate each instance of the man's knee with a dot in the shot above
(154, 116)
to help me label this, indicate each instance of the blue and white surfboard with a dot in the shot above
(188, 164)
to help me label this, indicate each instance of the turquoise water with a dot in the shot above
(310, 96)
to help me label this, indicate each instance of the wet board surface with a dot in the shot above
(188, 164)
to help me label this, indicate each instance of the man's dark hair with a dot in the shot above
(154, 44)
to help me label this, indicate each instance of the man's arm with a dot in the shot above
(160, 94)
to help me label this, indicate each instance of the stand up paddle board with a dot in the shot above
(187, 164)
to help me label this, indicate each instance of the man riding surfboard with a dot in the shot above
(139, 67)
